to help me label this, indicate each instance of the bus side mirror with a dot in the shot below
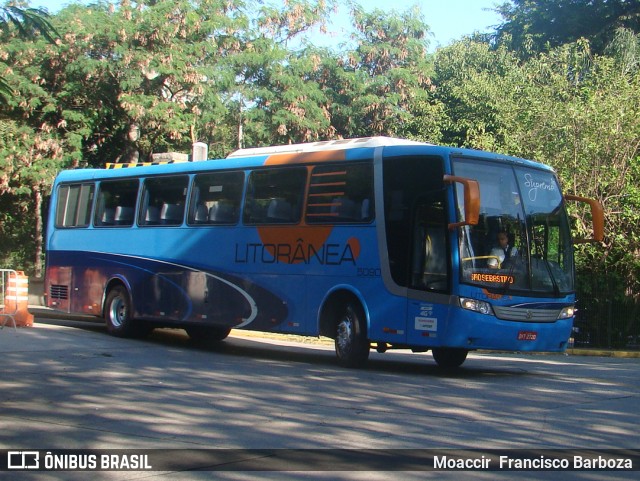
(597, 218)
(471, 200)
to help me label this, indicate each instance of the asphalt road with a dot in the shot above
(72, 386)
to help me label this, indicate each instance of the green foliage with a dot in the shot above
(26, 23)
(533, 26)
(27, 165)
(388, 71)
(480, 89)
(288, 106)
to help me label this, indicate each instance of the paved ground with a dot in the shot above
(71, 386)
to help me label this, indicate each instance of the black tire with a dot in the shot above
(449, 357)
(352, 344)
(117, 314)
(206, 335)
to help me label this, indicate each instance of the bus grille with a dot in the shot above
(58, 291)
(522, 314)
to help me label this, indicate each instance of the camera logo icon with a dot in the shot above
(23, 460)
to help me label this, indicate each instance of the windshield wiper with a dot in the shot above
(507, 283)
(542, 257)
(556, 288)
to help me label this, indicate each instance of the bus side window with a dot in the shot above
(215, 198)
(164, 200)
(274, 196)
(74, 204)
(116, 203)
(340, 193)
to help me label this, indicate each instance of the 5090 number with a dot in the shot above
(368, 272)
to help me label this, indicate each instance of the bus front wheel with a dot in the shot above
(117, 313)
(449, 357)
(352, 345)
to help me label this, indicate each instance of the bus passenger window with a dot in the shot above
(74, 204)
(163, 200)
(215, 198)
(340, 193)
(274, 196)
(116, 203)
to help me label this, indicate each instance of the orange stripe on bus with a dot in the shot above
(302, 157)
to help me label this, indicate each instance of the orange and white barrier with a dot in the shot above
(14, 298)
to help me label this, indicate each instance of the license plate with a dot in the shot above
(527, 335)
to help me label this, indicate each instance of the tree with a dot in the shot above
(281, 98)
(477, 86)
(162, 59)
(73, 103)
(28, 161)
(28, 22)
(21, 148)
(387, 72)
(289, 105)
(539, 25)
(175, 71)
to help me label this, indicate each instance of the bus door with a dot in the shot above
(417, 236)
(429, 280)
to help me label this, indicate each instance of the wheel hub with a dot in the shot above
(345, 335)
(118, 312)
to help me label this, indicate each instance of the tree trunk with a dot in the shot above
(39, 234)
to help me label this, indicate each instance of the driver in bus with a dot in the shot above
(501, 252)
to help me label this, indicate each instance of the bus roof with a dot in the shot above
(351, 149)
(323, 145)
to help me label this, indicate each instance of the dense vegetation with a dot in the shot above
(558, 81)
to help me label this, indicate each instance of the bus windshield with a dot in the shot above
(522, 240)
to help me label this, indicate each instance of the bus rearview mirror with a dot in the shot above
(597, 218)
(471, 200)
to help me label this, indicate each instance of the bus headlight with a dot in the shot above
(475, 305)
(567, 312)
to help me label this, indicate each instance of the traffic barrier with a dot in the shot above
(8, 309)
(14, 304)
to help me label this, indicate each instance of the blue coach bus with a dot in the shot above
(376, 242)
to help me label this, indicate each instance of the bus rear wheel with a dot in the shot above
(449, 357)
(352, 345)
(117, 313)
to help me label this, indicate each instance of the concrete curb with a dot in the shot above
(603, 353)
